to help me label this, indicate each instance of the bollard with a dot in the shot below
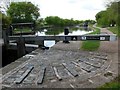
(66, 32)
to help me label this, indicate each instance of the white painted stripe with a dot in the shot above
(90, 81)
(72, 86)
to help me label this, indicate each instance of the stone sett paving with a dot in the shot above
(88, 67)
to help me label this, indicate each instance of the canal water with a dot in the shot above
(50, 43)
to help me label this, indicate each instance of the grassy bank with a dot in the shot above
(113, 85)
(91, 45)
(115, 30)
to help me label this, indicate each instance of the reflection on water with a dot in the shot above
(78, 32)
(50, 43)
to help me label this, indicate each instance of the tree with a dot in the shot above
(23, 12)
(6, 21)
(102, 18)
(110, 15)
(113, 11)
(60, 22)
(53, 20)
(40, 23)
(90, 21)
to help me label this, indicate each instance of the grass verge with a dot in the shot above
(91, 45)
(115, 30)
(113, 85)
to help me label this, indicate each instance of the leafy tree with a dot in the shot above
(102, 18)
(57, 21)
(23, 12)
(53, 20)
(6, 21)
(90, 21)
(113, 12)
(110, 15)
(40, 23)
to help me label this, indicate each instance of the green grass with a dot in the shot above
(115, 30)
(91, 45)
(113, 85)
(96, 31)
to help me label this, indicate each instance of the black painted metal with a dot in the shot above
(100, 37)
(39, 40)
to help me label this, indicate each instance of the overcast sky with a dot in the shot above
(76, 9)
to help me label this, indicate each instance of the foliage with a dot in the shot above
(110, 86)
(110, 16)
(57, 21)
(54, 20)
(6, 21)
(90, 21)
(39, 23)
(23, 12)
(115, 30)
(113, 11)
(102, 18)
(113, 85)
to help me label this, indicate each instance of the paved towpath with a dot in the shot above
(108, 46)
(72, 46)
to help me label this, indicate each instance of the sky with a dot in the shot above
(76, 9)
